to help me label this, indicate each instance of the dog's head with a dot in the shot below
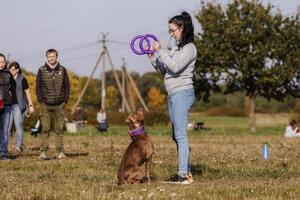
(135, 119)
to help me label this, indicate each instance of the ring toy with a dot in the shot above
(142, 40)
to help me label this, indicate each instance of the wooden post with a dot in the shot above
(118, 82)
(103, 89)
(137, 91)
(123, 88)
(252, 120)
(86, 84)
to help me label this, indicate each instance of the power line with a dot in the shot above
(62, 50)
(80, 46)
(31, 58)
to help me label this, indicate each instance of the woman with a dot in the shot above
(8, 95)
(177, 67)
(292, 130)
(24, 102)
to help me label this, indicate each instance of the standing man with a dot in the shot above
(53, 91)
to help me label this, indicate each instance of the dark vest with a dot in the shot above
(20, 93)
(6, 89)
(53, 84)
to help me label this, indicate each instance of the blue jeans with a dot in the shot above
(4, 125)
(179, 104)
(18, 118)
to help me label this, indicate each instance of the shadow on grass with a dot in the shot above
(12, 157)
(200, 169)
(77, 154)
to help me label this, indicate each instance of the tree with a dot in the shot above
(249, 48)
(149, 80)
(156, 100)
(112, 101)
(75, 89)
(92, 96)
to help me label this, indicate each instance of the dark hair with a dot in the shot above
(293, 122)
(51, 51)
(184, 20)
(16, 66)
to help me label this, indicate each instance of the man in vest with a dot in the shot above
(53, 91)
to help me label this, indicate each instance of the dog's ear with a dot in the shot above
(127, 119)
(141, 111)
(141, 114)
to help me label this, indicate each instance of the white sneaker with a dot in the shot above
(18, 150)
(190, 177)
(176, 179)
(44, 156)
(61, 155)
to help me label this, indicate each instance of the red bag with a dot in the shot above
(1, 103)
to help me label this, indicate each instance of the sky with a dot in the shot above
(75, 27)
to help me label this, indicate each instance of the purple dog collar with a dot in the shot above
(137, 132)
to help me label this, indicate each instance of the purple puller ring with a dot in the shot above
(142, 39)
(145, 37)
(133, 42)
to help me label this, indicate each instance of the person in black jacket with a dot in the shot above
(8, 95)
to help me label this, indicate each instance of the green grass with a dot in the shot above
(226, 164)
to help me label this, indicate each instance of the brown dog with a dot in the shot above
(140, 150)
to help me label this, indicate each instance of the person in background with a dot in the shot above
(101, 119)
(7, 99)
(292, 130)
(53, 91)
(24, 103)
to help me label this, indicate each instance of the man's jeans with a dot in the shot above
(18, 118)
(179, 104)
(4, 125)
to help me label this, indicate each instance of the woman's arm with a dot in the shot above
(177, 63)
(29, 100)
(159, 66)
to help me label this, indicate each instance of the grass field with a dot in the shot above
(226, 164)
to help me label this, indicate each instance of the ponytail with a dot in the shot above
(184, 20)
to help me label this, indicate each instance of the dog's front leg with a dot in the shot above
(148, 169)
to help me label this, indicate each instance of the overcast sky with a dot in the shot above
(74, 27)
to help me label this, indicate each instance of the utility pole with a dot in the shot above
(134, 87)
(127, 85)
(102, 56)
(103, 93)
(123, 85)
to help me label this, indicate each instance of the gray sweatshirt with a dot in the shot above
(177, 67)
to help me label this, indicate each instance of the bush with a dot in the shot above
(156, 117)
(226, 111)
(113, 118)
(151, 118)
(117, 118)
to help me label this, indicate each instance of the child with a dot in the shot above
(292, 130)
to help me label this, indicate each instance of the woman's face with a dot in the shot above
(14, 71)
(175, 32)
(2, 63)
